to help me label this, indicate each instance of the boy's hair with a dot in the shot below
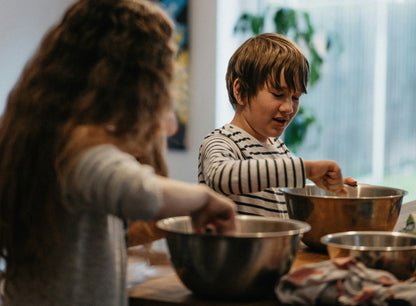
(261, 60)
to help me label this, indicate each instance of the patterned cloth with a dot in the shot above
(344, 281)
(410, 224)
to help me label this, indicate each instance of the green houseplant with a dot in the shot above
(297, 26)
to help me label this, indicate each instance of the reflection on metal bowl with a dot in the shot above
(391, 251)
(363, 208)
(246, 264)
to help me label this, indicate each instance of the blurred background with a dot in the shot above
(360, 104)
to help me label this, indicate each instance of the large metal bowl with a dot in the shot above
(364, 208)
(246, 264)
(391, 251)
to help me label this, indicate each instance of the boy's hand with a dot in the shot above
(326, 174)
(350, 181)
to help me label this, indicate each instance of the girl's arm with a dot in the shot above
(106, 180)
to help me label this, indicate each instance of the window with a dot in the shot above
(364, 101)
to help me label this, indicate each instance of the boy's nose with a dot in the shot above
(286, 106)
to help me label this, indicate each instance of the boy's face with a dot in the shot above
(269, 112)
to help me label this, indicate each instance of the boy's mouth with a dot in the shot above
(280, 120)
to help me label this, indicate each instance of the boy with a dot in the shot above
(245, 159)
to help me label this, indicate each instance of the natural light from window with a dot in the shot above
(364, 102)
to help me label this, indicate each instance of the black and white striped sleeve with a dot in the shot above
(222, 168)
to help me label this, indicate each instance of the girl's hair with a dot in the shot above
(260, 61)
(107, 63)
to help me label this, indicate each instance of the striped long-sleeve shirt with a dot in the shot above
(236, 164)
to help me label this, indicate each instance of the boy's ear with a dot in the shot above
(237, 93)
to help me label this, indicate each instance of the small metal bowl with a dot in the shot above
(246, 264)
(391, 251)
(364, 208)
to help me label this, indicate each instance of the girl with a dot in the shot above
(93, 99)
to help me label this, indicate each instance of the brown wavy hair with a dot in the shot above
(107, 63)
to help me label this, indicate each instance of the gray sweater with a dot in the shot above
(103, 187)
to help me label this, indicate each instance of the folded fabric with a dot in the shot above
(344, 281)
(410, 224)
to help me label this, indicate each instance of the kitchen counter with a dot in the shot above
(168, 289)
(165, 288)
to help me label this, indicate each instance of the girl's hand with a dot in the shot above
(217, 215)
(207, 208)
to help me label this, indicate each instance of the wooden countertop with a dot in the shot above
(169, 290)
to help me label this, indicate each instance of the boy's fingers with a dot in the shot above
(350, 181)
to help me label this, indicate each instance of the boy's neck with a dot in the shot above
(242, 124)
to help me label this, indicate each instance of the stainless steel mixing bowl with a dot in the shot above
(246, 264)
(364, 208)
(391, 251)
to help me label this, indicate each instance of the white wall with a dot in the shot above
(22, 25)
(227, 14)
(212, 43)
(183, 165)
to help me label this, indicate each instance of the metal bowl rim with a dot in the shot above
(289, 191)
(302, 228)
(326, 241)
